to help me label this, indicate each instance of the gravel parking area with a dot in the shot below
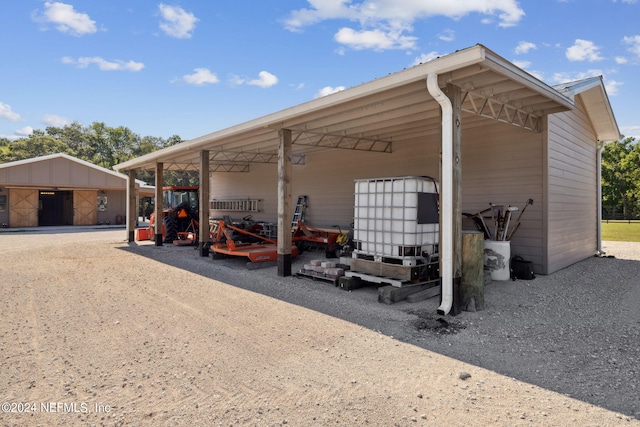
(146, 335)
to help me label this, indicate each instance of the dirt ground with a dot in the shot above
(94, 332)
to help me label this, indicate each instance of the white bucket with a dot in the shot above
(497, 254)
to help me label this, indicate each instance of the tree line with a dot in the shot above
(98, 144)
(621, 179)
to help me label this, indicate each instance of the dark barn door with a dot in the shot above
(56, 208)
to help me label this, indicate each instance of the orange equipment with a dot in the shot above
(256, 248)
(304, 234)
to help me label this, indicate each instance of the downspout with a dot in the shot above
(446, 194)
(599, 250)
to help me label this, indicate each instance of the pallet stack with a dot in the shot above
(325, 270)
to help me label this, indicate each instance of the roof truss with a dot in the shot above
(495, 109)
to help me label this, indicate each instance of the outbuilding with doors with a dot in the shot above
(59, 190)
(488, 131)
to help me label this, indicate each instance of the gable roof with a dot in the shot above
(61, 170)
(596, 101)
(374, 116)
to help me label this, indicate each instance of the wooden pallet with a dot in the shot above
(319, 276)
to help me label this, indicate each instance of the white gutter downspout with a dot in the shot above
(599, 250)
(446, 195)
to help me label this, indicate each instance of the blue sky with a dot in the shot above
(191, 67)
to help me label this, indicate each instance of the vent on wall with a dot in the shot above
(237, 205)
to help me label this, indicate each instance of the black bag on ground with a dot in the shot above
(521, 269)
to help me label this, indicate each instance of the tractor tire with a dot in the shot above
(171, 229)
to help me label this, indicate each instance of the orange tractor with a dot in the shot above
(179, 214)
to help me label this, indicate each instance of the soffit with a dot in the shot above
(374, 116)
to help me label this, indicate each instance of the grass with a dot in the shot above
(621, 231)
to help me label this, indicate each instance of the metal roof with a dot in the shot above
(9, 165)
(596, 101)
(375, 116)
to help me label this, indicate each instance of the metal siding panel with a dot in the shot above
(502, 164)
(327, 179)
(572, 200)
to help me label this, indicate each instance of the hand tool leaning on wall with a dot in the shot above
(502, 221)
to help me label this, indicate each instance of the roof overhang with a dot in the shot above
(594, 96)
(375, 115)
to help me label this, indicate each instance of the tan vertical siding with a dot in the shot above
(327, 180)
(572, 191)
(502, 164)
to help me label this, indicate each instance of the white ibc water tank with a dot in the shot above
(396, 217)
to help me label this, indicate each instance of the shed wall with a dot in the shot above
(327, 179)
(501, 164)
(572, 188)
(59, 172)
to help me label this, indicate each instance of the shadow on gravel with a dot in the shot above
(576, 332)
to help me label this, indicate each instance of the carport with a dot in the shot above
(471, 89)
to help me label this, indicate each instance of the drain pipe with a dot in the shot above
(599, 251)
(446, 194)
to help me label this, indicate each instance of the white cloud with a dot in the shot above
(265, 79)
(611, 86)
(200, 77)
(447, 35)
(103, 64)
(426, 57)
(7, 113)
(25, 131)
(631, 131)
(383, 23)
(407, 11)
(328, 90)
(583, 50)
(522, 64)
(634, 41)
(177, 22)
(621, 60)
(55, 120)
(66, 19)
(524, 47)
(376, 39)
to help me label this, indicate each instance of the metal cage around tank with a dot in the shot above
(396, 219)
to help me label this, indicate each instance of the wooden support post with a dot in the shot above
(455, 96)
(284, 203)
(132, 211)
(203, 219)
(158, 205)
(472, 287)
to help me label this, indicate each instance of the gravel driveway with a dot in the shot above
(576, 331)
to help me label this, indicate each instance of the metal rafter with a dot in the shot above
(494, 108)
(347, 142)
(239, 161)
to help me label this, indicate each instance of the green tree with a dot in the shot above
(621, 177)
(35, 145)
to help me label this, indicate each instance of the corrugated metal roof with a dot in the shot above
(594, 95)
(376, 115)
(33, 160)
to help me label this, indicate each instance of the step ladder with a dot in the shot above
(298, 213)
